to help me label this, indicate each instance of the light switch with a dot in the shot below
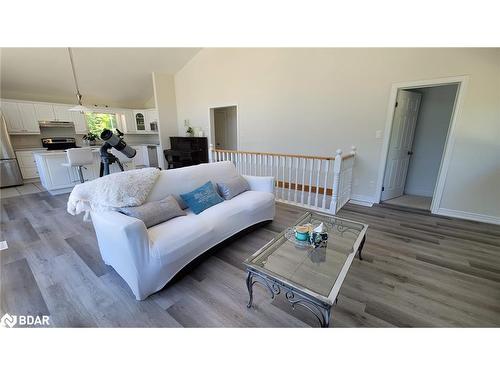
(378, 134)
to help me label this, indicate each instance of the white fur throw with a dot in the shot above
(111, 192)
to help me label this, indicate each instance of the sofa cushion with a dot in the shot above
(230, 188)
(184, 235)
(202, 198)
(153, 213)
(231, 216)
(176, 238)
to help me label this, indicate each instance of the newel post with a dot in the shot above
(211, 153)
(336, 180)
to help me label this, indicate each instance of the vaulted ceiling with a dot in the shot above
(106, 76)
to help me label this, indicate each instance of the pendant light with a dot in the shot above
(79, 108)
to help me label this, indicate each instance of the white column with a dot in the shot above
(336, 180)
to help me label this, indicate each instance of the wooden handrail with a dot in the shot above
(275, 154)
(347, 156)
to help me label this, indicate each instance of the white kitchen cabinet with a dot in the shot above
(44, 112)
(80, 122)
(141, 156)
(62, 112)
(151, 119)
(12, 117)
(53, 174)
(28, 117)
(140, 121)
(26, 161)
(127, 121)
(143, 120)
(20, 118)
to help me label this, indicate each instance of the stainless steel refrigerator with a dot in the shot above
(10, 174)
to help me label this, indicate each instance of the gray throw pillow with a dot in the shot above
(153, 213)
(231, 188)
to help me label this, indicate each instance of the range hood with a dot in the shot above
(56, 124)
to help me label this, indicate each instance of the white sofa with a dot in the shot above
(148, 258)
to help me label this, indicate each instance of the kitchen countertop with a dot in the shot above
(30, 149)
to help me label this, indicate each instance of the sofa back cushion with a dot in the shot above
(228, 189)
(183, 180)
(153, 213)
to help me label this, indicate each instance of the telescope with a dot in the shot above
(112, 140)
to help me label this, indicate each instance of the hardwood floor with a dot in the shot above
(418, 271)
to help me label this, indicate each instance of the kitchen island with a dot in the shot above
(59, 179)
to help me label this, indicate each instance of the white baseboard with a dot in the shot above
(419, 192)
(468, 216)
(362, 200)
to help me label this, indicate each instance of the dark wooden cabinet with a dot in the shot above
(186, 151)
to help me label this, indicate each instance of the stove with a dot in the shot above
(59, 143)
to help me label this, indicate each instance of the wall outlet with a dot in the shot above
(378, 134)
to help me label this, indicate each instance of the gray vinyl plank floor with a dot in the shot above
(418, 270)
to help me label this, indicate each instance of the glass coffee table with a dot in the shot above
(308, 276)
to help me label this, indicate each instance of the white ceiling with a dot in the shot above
(112, 76)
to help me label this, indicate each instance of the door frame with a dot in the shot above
(211, 123)
(462, 82)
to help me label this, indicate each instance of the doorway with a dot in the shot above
(224, 127)
(417, 142)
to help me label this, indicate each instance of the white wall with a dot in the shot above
(313, 101)
(164, 94)
(436, 110)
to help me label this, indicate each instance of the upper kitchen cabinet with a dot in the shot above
(53, 112)
(126, 121)
(20, 118)
(145, 121)
(44, 112)
(151, 120)
(28, 117)
(140, 120)
(80, 122)
(62, 112)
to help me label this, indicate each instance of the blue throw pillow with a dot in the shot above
(202, 198)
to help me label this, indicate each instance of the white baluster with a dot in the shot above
(325, 184)
(265, 165)
(310, 182)
(277, 173)
(283, 182)
(271, 166)
(210, 153)
(317, 183)
(296, 181)
(304, 162)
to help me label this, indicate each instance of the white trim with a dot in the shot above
(468, 216)
(362, 200)
(462, 82)
(211, 122)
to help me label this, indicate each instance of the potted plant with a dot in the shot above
(90, 139)
(189, 129)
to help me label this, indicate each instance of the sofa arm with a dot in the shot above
(124, 244)
(261, 183)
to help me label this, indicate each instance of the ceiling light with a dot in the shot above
(79, 108)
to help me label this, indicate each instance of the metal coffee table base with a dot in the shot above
(320, 310)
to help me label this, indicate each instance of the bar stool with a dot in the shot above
(79, 157)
